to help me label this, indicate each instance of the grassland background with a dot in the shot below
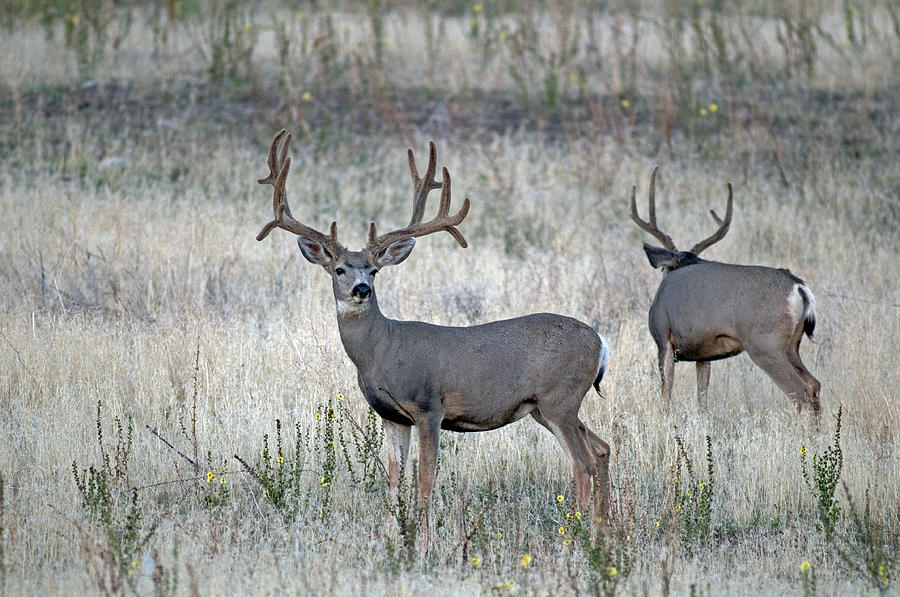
(131, 139)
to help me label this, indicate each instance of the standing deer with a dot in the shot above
(706, 310)
(457, 378)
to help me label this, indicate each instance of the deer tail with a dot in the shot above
(601, 367)
(809, 309)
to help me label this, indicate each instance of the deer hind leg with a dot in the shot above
(703, 368)
(781, 370)
(570, 436)
(600, 450)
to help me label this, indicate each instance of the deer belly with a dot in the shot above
(708, 349)
(463, 415)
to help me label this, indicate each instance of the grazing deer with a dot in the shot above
(706, 310)
(457, 378)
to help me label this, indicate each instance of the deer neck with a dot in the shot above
(362, 330)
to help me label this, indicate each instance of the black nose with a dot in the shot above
(361, 290)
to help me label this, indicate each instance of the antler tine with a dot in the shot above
(422, 186)
(416, 228)
(723, 225)
(651, 226)
(279, 167)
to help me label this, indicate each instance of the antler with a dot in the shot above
(279, 166)
(723, 225)
(651, 226)
(421, 187)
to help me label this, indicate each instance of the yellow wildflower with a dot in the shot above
(499, 534)
(223, 480)
(476, 562)
(526, 559)
(477, 8)
(562, 531)
(340, 396)
(559, 498)
(656, 523)
(714, 107)
(323, 482)
(702, 486)
(307, 96)
(577, 515)
(280, 459)
(318, 417)
(611, 571)
(210, 477)
(625, 104)
(804, 566)
(802, 450)
(702, 111)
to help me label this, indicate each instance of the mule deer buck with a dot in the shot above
(705, 310)
(457, 378)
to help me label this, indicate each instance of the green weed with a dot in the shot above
(113, 506)
(823, 481)
(693, 495)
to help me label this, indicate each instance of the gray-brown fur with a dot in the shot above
(706, 310)
(459, 378)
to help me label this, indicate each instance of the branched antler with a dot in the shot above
(651, 226)
(416, 228)
(723, 225)
(279, 166)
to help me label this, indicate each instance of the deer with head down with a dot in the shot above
(457, 378)
(706, 310)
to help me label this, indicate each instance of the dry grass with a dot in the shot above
(128, 210)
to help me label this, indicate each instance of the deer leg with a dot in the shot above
(813, 387)
(601, 452)
(780, 369)
(397, 436)
(429, 442)
(666, 369)
(703, 368)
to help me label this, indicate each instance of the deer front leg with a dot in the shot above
(666, 370)
(703, 368)
(429, 442)
(397, 437)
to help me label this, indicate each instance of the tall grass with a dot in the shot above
(128, 210)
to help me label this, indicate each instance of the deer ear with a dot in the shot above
(661, 258)
(313, 251)
(395, 253)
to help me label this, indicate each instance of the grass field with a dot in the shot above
(131, 138)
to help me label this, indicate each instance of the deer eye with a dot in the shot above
(339, 271)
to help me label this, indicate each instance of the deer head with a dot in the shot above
(669, 257)
(353, 272)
